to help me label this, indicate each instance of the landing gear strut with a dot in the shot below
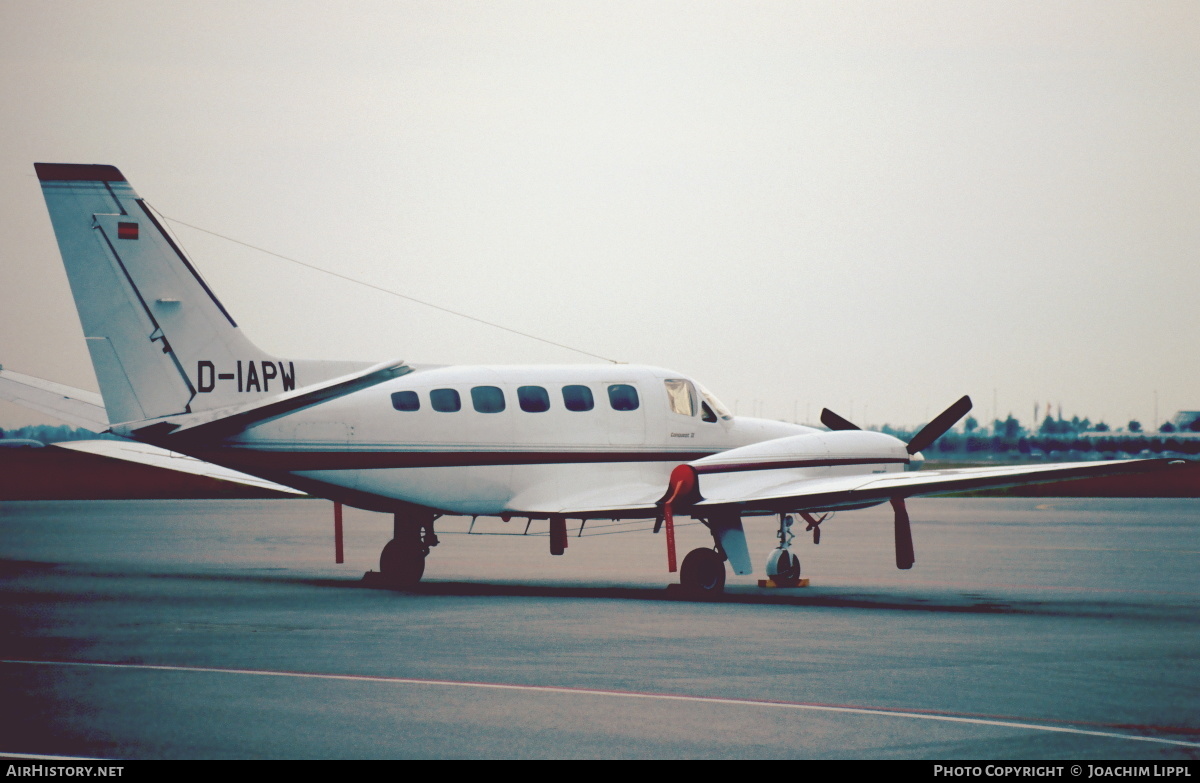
(402, 562)
(783, 567)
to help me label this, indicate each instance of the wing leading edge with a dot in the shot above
(782, 491)
(763, 492)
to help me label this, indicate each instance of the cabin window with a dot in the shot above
(406, 401)
(622, 397)
(681, 397)
(533, 399)
(578, 398)
(487, 399)
(445, 400)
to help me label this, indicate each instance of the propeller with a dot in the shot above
(904, 546)
(836, 422)
(923, 440)
(937, 428)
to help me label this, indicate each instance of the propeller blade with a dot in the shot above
(836, 422)
(937, 428)
(904, 545)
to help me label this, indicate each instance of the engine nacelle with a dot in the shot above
(748, 470)
(816, 452)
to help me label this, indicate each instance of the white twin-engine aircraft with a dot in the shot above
(177, 377)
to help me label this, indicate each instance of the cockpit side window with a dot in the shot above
(681, 397)
(713, 405)
(707, 413)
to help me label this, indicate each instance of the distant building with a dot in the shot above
(1183, 420)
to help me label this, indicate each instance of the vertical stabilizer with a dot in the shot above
(160, 340)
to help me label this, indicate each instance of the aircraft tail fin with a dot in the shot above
(160, 341)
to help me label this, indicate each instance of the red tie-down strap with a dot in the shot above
(682, 485)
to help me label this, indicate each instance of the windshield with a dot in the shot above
(680, 397)
(716, 405)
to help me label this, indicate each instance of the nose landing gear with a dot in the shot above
(783, 567)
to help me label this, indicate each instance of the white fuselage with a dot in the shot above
(481, 460)
(522, 439)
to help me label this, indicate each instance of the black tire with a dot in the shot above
(789, 573)
(702, 573)
(402, 564)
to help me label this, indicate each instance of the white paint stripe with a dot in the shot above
(626, 695)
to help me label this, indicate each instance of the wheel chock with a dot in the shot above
(771, 583)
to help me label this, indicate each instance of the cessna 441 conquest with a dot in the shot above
(177, 377)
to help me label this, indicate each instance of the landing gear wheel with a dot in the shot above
(402, 564)
(784, 568)
(702, 573)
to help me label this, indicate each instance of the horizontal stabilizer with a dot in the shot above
(74, 406)
(145, 454)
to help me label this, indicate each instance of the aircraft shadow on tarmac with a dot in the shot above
(938, 601)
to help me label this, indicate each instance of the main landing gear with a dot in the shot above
(703, 573)
(402, 562)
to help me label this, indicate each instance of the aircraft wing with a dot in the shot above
(74, 406)
(145, 454)
(771, 491)
(753, 490)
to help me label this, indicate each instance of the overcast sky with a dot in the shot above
(875, 207)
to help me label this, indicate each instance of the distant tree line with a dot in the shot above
(1058, 439)
(47, 433)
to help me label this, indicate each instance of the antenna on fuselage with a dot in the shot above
(388, 291)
